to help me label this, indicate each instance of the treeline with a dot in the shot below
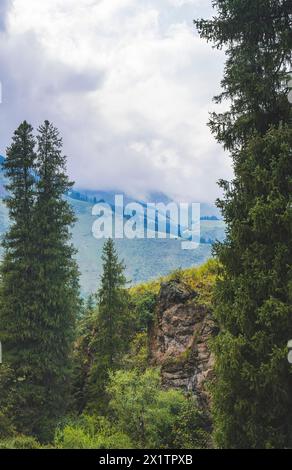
(39, 293)
(101, 392)
(74, 374)
(118, 396)
(252, 397)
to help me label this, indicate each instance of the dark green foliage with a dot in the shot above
(112, 329)
(140, 415)
(84, 354)
(192, 430)
(56, 290)
(143, 305)
(111, 333)
(39, 285)
(112, 305)
(253, 394)
(20, 442)
(257, 37)
(7, 386)
(152, 417)
(18, 329)
(137, 356)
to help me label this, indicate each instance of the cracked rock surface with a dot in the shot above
(179, 340)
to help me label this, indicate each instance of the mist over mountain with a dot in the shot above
(145, 258)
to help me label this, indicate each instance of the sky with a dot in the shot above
(128, 83)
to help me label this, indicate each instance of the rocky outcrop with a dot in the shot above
(179, 339)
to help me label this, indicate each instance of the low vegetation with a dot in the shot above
(117, 400)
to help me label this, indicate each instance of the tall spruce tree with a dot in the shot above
(112, 328)
(252, 397)
(39, 284)
(112, 302)
(18, 325)
(56, 289)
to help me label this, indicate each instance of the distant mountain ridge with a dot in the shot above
(144, 258)
(208, 211)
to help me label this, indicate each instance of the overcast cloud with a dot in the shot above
(128, 83)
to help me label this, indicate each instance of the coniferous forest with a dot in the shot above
(193, 360)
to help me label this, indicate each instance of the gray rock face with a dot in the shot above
(179, 340)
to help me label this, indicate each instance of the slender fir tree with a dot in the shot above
(112, 302)
(56, 289)
(252, 397)
(18, 325)
(112, 328)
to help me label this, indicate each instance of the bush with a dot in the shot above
(137, 357)
(6, 427)
(152, 417)
(91, 432)
(20, 442)
(192, 428)
(143, 299)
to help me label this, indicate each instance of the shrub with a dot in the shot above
(137, 357)
(6, 427)
(20, 442)
(91, 432)
(152, 417)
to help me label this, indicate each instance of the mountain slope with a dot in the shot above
(145, 258)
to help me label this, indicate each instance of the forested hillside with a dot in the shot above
(119, 396)
(81, 373)
(196, 357)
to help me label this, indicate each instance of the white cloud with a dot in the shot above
(180, 3)
(129, 84)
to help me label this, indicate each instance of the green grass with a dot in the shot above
(198, 278)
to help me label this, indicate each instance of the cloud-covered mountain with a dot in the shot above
(144, 258)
